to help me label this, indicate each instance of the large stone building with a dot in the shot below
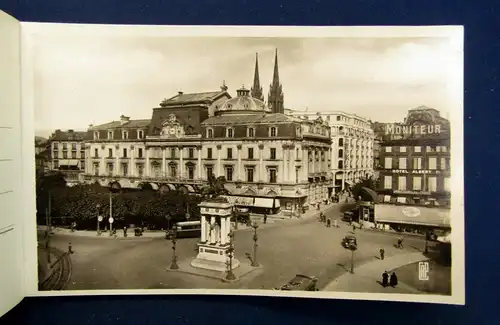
(67, 154)
(273, 163)
(415, 159)
(352, 146)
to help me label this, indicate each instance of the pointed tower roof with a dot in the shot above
(275, 99)
(256, 90)
(276, 74)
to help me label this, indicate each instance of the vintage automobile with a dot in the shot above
(347, 216)
(348, 241)
(300, 283)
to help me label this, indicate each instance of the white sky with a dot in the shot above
(83, 78)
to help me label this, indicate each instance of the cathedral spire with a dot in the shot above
(275, 98)
(256, 90)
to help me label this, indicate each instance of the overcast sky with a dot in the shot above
(85, 78)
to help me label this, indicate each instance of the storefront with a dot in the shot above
(417, 217)
(293, 205)
(255, 205)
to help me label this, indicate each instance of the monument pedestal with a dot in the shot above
(215, 237)
(213, 257)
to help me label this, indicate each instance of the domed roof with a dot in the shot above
(243, 102)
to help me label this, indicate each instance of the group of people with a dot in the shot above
(389, 280)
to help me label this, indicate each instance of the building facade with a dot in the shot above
(415, 160)
(42, 150)
(273, 163)
(352, 146)
(67, 154)
(163, 152)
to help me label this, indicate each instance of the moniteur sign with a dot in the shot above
(398, 129)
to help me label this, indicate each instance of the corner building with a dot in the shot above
(67, 154)
(352, 146)
(415, 160)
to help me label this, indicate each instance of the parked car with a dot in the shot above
(300, 283)
(349, 240)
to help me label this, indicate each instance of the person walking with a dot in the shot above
(265, 218)
(385, 279)
(353, 228)
(382, 253)
(393, 280)
(125, 231)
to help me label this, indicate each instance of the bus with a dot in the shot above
(187, 229)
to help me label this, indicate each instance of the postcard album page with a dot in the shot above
(11, 252)
(319, 162)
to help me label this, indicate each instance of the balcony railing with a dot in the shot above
(158, 178)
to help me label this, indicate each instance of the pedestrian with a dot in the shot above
(393, 280)
(265, 218)
(125, 231)
(385, 279)
(382, 253)
(353, 228)
(400, 242)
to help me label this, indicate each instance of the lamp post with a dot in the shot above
(98, 207)
(426, 248)
(173, 265)
(188, 216)
(230, 253)
(255, 238)
(110, 214)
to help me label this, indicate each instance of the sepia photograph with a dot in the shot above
(245, 160)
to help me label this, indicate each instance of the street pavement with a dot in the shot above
(285, 248)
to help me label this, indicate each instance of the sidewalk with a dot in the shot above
(367, 277)
(311, 213)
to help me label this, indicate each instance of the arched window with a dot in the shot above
(210, 133)
(341, 142)
(341, 164)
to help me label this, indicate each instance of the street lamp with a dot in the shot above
(98, 207)
(426, 249)
(255, 238)
(352, 248)
(230, 253)
(173, 265)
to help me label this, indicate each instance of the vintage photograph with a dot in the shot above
(276, 163)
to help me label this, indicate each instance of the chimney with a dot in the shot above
(181, 92)
(124, 119)
(70, 131)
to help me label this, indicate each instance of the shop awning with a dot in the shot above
(444, 239)
(424, 216)
(276, 203)
(190, 188)
(154, 186)
(67, 162)
(264, 202)
(240, 200)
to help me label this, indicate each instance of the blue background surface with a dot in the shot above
(482, 55)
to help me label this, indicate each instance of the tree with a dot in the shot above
(368, 182)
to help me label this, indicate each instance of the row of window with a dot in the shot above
(125, 135)
(272, 132)
(419, 149)
(55, 145)
(156, 171)
(418, 185)
(66, 156)
(360, 164)
(364, 144)
(417, 163)
(210, 155)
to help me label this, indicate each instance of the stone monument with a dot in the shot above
(215, 241)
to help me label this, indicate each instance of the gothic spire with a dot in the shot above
(275, 98)
(256, 90)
